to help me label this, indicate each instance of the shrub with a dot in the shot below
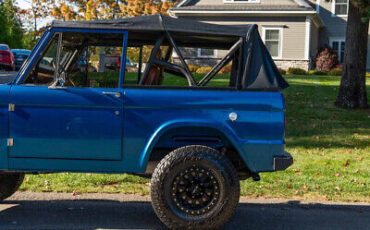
(367, 74)
(193, 68)
(339, 66)
(282, 71)
(335, 72)
(203, 70)
(326, 59)
(317, 72)
(226, 69)
(296, 71)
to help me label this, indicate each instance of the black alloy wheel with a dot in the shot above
(195, 187)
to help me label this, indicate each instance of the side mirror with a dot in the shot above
(59, 82)
(62, 79)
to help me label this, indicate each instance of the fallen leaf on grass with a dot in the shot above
(356, 171)
(74, 193)
(346, 164)
(305, 187)
(337, 175)
(27, 179)
(289, 185)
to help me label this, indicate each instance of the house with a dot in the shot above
(293, 30)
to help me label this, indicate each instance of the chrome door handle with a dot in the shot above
(116, 94)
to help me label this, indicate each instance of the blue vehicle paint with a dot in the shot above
(148, 113)
(83, 129)
(71, 123)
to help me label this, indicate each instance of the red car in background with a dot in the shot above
(6, 58)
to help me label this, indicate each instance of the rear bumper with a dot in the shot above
(283, 162)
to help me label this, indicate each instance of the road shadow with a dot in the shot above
(107, 214)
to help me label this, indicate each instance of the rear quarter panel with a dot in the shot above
(257, 134)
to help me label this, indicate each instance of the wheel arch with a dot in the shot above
(223, 130)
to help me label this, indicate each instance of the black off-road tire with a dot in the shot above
(197, 158)
(9, 184)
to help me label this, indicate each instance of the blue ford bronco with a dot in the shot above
(196, 136)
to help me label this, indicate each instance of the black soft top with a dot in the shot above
(258, 70)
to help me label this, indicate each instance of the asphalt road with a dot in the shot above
(115, 211)
(6, 77)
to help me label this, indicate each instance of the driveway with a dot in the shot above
(27, 210)
(6, 77)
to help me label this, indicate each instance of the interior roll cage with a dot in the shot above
(183, 69)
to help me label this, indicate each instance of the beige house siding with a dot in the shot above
(294, 28)
(293, 42)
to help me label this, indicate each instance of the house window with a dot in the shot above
(272, 37)
(340, 7)
(338, 46)
(207, 53)
(241, 1)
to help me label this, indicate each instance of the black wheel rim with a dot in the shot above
(195, 190)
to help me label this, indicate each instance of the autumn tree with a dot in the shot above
(11, 31)
(134, 8)
(85, 9)
(352, 92)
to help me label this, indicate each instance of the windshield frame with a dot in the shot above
(49, 35)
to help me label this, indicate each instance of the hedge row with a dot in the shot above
(299, 71)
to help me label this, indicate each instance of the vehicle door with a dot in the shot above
(59, 112)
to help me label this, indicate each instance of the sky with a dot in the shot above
(26, 4)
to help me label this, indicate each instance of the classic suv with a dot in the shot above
(195, 136)
(6, 58)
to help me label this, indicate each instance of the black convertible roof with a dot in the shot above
(157, 23)
(146, 29)
(257, 69)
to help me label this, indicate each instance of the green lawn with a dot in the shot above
(331, 148)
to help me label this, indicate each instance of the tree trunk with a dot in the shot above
(352, 91)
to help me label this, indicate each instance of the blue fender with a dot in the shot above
(221, 127)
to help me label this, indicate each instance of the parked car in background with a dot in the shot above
(6, 58)
(20, 56)
(113, 63)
